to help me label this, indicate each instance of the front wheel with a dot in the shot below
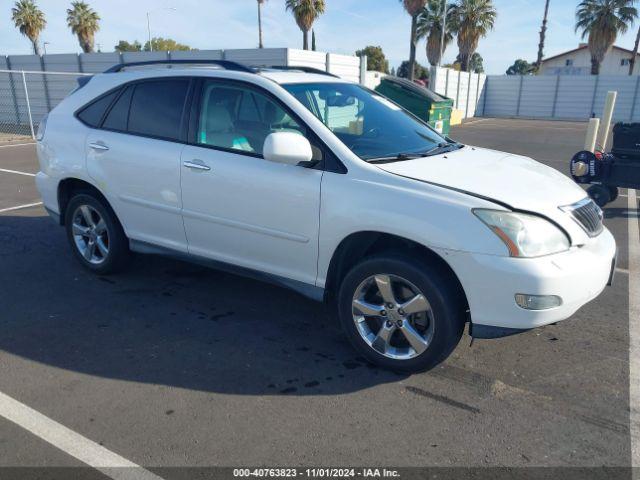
(400, 313)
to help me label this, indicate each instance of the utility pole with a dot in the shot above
(149, 24)
(149, 32)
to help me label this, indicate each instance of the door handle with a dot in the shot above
(99, 146)
(196, 166)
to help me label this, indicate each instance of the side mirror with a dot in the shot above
(287, 147)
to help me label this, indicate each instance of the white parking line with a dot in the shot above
(6, 170)
(634, 334)
(17, 145)
(72, 443)
(20, 207)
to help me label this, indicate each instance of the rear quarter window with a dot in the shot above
(118, 116)
(93, 113)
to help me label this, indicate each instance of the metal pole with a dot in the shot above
(149, 32)
(26, 96)
(444, 29)
(363, 70)
(606, 117)
(592, 134)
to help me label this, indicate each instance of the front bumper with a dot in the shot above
(491, 282)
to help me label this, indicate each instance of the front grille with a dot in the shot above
(588, 215)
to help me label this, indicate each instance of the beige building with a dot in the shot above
(578, 62)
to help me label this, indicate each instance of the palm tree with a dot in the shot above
(83, 22)
(260, 44)
(430, 26)
(543, 34)
(474, 19)
(305, 13)
(413, 8)
(30, 20)
(602, 21)
(634, 55)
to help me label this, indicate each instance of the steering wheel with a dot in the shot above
(368, 136)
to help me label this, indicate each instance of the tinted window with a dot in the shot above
(93, 113)
(118, 116)
(240, 118)
(156, 108)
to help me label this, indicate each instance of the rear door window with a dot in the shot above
(118, 117)
(157, 108)
(92, 114)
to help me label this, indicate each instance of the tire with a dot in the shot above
(382, 337)
(599, 194)
(613, 193)
(95, 234)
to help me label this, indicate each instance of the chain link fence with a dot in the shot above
(27, 96)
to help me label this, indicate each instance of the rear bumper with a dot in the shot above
(491, 282)
(48, 189)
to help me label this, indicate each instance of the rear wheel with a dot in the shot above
(95, 235)
(613, 192)
(400, 313)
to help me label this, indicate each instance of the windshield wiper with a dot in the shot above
(396, 158)
(442, 147)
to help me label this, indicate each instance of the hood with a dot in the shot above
(519, 182)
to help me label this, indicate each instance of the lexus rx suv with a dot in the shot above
(323, 186)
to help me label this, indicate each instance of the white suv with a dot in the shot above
(325, 187)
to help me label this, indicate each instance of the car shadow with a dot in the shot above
(167, 322)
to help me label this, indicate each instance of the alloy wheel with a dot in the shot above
(90, 234)
(393, 316)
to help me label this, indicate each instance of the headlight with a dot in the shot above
(524, 235)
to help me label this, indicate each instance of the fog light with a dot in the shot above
(537, 302)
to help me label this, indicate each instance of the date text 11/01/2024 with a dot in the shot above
(316, 472)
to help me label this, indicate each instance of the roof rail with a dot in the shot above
(224, 64)
(302, 69)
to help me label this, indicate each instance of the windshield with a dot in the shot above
(369, 124)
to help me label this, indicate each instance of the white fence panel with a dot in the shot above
(306, 58)
(464, 88)
(451, 89)
(575, 97)
(58, 86)
(98, 62)
(258, 57)
(344, 66)
(625, 86)
(197, 55)
(537, 96)
(501, 96)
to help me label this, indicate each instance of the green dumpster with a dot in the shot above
(422, 102)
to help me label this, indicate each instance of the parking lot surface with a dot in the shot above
(170, 364)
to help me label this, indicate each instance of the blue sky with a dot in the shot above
(347, 25)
